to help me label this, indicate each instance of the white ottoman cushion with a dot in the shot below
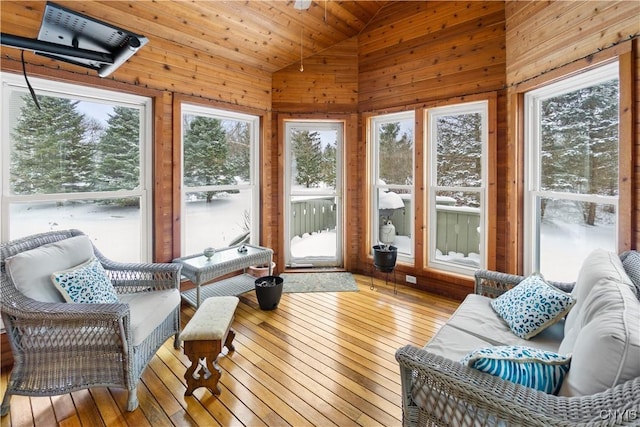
(212, 319)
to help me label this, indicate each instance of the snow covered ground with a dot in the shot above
(115, 229)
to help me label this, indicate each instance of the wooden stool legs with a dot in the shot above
(204, 371)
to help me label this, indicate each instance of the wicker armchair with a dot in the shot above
(63, 347)
(473, 398)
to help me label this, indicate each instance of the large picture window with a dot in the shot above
(572, 145)
(76, 157)
(392, 158)
(219, 178)
(457, 146)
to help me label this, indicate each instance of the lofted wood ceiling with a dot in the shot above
(263, 34)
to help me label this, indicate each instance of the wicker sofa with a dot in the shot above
(59, 347)
(602, 386)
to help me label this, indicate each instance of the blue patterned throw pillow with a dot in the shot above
(530, 367)
(531, 306)
(85, 283)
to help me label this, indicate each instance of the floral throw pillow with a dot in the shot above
(531, 306)
(85, 283)
(530, 367)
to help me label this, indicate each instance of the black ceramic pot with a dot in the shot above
(384, 257)
(269, 291)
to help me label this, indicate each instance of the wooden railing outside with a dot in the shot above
(457, 228)
(312, 215)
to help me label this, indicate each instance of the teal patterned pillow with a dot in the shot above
(531, 306)
(530, 367)
(85, 283)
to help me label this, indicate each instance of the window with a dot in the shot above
(392, 167)
(457, 146)
(219, 178)
(572, 143)
(80, 161)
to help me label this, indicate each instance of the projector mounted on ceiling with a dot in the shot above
(78, 39)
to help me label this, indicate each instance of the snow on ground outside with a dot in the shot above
(564, 245)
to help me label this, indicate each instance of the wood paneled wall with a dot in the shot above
(414, 52)
(329, 82)
(542, 36)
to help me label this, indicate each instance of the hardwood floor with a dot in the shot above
(319, 359)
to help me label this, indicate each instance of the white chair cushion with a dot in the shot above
(148, 310)
(603, 330)
(599, 264)
(31, 270)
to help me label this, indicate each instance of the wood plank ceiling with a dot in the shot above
(262, 34)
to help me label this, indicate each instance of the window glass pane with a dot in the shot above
(77, 162)
(459, 150)
(458, 227)
(395, 210)
(313, 159)
(572, 142)
(579, 141)
(395, 152)
(216, 219)
(113, 225)
(216, 151)
(313, 227)
(569, 231)
(218, 189)
(72, 146)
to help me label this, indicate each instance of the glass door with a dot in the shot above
(313, 202)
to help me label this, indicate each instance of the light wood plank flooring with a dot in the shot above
(320, 359)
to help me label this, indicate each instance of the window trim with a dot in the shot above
(254, 173)
(531, 100)
(374, 165)
(11, 81)
(431, 114)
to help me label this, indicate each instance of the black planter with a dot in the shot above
(269, 291)
(384, 258)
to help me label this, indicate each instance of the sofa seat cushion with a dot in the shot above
(148, 310)
(476, 317)
(453, 343)
(31, 270)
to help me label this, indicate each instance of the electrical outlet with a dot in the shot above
(411, 279)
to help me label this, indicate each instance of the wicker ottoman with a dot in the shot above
(203, 336)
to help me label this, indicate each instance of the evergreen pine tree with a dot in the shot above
(119, 151)
(579, 143)
(329, 165)
(49, 153)
(396, 155)
(239, 160)
(459, 147)
(205, 153)
(307, 151)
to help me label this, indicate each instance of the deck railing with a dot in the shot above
(457, 228)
